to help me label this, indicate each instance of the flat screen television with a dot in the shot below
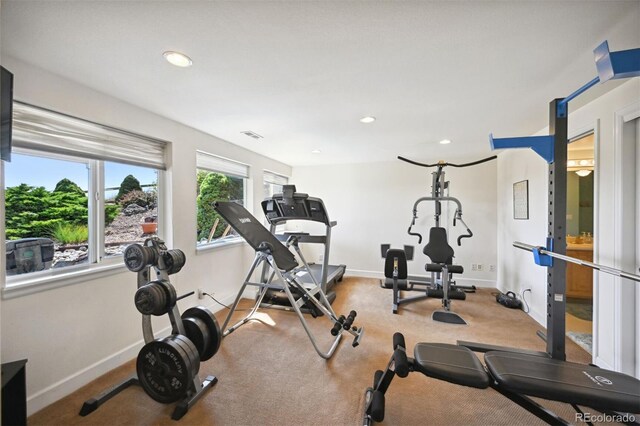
(6, 113)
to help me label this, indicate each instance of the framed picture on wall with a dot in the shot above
(521, 200)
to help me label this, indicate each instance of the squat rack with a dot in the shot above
(553, 148)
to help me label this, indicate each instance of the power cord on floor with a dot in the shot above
(229, 307)
(525, 300)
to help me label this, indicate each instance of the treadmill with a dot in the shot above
(290, 206)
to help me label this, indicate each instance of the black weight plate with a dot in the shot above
(164, 370)
(170, 292)
(151, 299)
(210, 321)
(191, 349)
(137, 257)
(198, 333)
(186, 351)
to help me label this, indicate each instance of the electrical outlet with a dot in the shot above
(474, 266)
(480, 267)
(321, 258)
(200, 293)
(492, 268)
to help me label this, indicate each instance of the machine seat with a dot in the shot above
(451, 363)
(564, 381)
(388, 283)
(437, 267)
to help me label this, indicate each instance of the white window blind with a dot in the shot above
(49, 131)
(223, 165)
(275, 178)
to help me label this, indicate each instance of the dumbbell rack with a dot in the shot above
(196, 387)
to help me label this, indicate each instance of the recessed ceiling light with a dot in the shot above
(316, 151)
(178, 59)
(367, 119)
(445, 141)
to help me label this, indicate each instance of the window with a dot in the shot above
(273, 183)
(76, 194)
(218, 179)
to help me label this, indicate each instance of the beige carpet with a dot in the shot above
(272, 375)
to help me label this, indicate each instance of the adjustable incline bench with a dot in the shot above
(282, 264)
(516, 374)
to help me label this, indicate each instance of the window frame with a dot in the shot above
(98, 265)
(228, 242)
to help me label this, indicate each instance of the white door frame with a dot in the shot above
(575, 134)
(625, 294)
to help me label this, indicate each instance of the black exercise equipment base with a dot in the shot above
(179, 411)
(277, 299)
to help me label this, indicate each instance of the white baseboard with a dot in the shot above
(538, 317)
(483, 283)
(64, 387)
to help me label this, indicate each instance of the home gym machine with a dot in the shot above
(282, 275)
(292, 206)
(441, 284)
(166, 368)
(521, 374)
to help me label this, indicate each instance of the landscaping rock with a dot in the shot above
(133, 209)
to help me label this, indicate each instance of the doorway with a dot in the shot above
(580, 239)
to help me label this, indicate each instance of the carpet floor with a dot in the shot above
(271, 375)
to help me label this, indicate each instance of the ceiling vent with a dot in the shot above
(252, 134)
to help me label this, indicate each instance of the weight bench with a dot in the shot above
(279, 262)
(516, 374)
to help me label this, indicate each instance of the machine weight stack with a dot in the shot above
(166, 368)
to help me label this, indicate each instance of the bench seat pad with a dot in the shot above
(564, 381)
(451, 363)
(388, 283)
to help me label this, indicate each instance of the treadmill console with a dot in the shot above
(291, 205)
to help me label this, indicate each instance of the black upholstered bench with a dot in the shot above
(518, 375)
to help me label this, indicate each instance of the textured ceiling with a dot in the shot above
(303, 73)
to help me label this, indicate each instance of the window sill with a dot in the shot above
(215, 245)
(30, 285)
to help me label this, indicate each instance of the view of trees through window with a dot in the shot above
(47, 210)
(213, 186)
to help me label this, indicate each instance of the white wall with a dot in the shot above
(75, 333)
(373, 204)
(517, 270)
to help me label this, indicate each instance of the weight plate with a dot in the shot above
(198, 333)
(185, 350)
(137, 257)
(174, 260)
(151, 299)
(170, 292)
(211, 323)
(191, 349)
(164, 370)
